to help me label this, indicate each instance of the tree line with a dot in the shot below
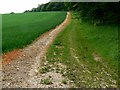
(50, 6)
(95, 12)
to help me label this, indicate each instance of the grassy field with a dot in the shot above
(20, 30)
(89, 52)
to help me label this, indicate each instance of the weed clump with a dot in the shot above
(46, 81)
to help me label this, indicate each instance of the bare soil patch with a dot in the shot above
(8, 57)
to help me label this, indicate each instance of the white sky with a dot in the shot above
(18, 6)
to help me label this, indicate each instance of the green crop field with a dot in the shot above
(75, 46)
(19, 30)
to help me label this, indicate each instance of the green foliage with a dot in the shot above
(46, 81)
(44, 69)
(12, 13)
(64, 81)
(77, 43)
(20, 30)
(54, 6)
(99, 12)
(43, 7)
(51, 6)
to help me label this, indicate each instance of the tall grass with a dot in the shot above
(74, 47)
(104, 40)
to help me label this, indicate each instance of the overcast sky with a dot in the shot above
(18, 6)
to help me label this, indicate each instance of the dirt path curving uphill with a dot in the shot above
(20, 71)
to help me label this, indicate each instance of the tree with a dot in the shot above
(12, 13)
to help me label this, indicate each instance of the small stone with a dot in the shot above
(17, 68)
(8, 84)
(36, 70)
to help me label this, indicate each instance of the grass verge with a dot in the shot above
(75, 47)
